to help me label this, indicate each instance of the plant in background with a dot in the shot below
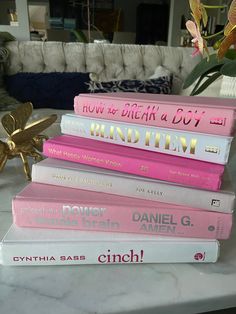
(223, 60)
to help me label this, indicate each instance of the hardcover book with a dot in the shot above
(194, 114)
(48, 206)
(28, 247)
(205, 147)
(79, 176)
(188, 172)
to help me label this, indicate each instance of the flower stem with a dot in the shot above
(213, 35)
(214, 6)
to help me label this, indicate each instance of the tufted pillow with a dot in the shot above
(177, 82)
(47, 90)
(161, 85)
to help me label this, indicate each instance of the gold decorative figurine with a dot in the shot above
(23, 141)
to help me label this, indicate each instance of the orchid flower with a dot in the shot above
(197, 38)
(232, 19)
(223, 62)
(198, 12)
(227, 43)
(229, 31)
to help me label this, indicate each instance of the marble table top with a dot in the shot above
(134, 289)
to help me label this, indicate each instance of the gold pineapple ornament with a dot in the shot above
(23, 140)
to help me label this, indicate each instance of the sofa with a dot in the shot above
(103, 62)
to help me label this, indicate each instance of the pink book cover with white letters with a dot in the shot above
(199, 114)
(48, 206)
(135, 161)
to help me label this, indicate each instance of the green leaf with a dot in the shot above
(216, 69)
(231, 54)
(204, 67)
(197, 85)
(205, 84)
(229, 69)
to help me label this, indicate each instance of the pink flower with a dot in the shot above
(197, 38)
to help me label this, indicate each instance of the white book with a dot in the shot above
(30, 246)
(85, 177)
(193, 145)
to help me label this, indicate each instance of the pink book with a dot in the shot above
(135, 161)
(48, 206)
(199, 114)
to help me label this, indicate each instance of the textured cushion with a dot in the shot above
(161, 85)
(47, 90)
(177, 82)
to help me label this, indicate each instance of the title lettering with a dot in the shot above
(114, 258)
(162, 141)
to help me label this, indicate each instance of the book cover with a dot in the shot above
(48, 206)
(180, 170)
(205, 147)
(79, 176)
(195, 114)
(30, 247)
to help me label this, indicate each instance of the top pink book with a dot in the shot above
(196, 114)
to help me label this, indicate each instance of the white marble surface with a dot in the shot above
(134, 289)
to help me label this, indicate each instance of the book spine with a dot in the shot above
(128, 252)
(144, 167)
(134, 187)
(189, 118)
(158, 220)
(197, 146)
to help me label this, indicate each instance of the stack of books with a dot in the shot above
(135, 178)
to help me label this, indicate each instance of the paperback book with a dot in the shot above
(48, 206)
(194, 114)
(139, 162)
(80, 176)
(205, 147)
(34, 247)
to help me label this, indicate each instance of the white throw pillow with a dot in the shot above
(177, 82)
(160, 71)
